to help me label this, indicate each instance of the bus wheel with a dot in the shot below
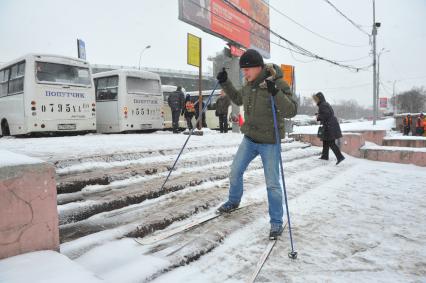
(5, 128)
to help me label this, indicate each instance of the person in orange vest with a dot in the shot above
(408, 121)
(424, 125)
(420, 125)
(189, 111)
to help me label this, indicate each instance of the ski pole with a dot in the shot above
(292, 254)
(200, 116)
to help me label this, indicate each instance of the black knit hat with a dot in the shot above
(251, 58)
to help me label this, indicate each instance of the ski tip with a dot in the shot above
(292, 255)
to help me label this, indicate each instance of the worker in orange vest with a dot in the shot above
(420, 125)
(424, 125)
(408, 121)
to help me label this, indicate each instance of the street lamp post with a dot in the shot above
(374, 34)
(140, 56)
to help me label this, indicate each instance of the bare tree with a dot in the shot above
(411, 101)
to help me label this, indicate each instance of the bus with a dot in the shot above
(167, 89)
(46, 94)
(128, 101)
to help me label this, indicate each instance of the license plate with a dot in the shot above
(66, 127)
(146, 126)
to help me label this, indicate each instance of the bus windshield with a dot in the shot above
(141, 86)
(63, 74)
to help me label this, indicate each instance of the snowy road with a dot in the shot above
(361, 221)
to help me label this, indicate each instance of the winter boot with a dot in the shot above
(340, 160)
(227, 207)
(276, 231)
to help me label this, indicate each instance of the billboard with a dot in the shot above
(222, 19)
(289, 76)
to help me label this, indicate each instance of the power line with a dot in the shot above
(297, 48)
(308, 29)
(347, 18)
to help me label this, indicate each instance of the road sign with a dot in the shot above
(194, 50)
(81, 47)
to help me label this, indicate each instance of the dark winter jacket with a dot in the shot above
(176, 101)
(328, 120)
(222, 105)
(254, 96)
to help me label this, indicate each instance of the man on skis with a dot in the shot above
(261, 81)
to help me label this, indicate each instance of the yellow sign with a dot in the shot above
(194, 50)
(288, 72)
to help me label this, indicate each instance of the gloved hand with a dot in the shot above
(272, 89)
(222, 76)
(183, 112)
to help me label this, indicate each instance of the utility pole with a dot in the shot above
(374, 32)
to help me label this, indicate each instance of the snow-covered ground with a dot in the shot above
(361, 221)
(58, 148)
(386, 124)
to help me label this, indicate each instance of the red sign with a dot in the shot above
(235, 51)
(383, 102)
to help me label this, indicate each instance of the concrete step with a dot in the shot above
(405, 141)
(405, 155)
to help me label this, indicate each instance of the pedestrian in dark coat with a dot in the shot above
(222, 105)
(331, 128)
(189, 111)
(176, 103)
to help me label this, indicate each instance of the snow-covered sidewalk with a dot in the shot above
(366, 224)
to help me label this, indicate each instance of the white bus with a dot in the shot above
(46, 94)
(128, 100)
(167, 89)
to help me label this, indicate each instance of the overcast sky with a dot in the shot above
(116, 31)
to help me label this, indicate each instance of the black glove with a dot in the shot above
(222, 76)
(272, 89)
(183, 112)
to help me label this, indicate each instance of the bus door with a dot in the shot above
(107, 116)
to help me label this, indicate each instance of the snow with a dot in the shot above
(364, 225)
(361, 221)
(60, 148)
(401, 137)
(304, 120)
(8, 158)
(373, 146)
(44, 267)
(386, 125)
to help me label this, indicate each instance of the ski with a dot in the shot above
(167, 234)
(263, 259)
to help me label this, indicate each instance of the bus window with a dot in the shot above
(4, 79)
(65, 74)
(106, 88)
(16, 82)
(139, 85)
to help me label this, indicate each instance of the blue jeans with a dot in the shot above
(269, 154)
